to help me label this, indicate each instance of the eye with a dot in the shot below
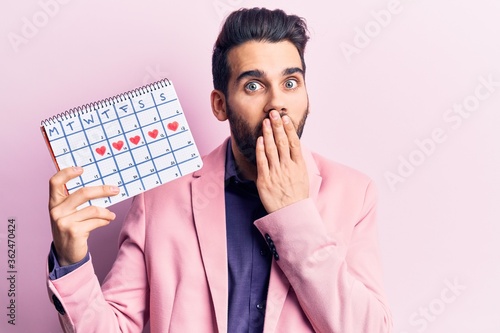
(291, 84)
(253, 86)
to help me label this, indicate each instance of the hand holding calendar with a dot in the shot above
(109, 151)
(137, 141)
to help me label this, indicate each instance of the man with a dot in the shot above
(266, 237)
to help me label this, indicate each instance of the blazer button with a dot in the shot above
(58, 305)
(272, 247)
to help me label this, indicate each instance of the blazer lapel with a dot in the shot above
(276, 295)
(210, 221)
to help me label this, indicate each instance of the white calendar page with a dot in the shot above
(137, 141)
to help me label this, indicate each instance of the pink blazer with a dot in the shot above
(172, 263)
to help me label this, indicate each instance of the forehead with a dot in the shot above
(270, 58)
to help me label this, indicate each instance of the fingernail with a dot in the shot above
(260, 141)
(77, 169)
(267, 123)
(114, 189)
(286, 119)
(274, 114)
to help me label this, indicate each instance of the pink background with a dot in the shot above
(437, 228)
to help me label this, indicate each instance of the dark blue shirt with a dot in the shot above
(248, 256)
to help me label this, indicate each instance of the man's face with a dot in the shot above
(264, 76)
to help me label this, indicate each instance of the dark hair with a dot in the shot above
(259, 24)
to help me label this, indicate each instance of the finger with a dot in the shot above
(87, 219)
(269, 144)
(85, 194)
(57, 188)
(93, 212)
(293, 139)
(260, 154)
(280, 137)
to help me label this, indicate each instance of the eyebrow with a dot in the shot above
(293, 70)
(251, 73)
(258, 73)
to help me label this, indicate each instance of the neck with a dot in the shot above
(247, 169)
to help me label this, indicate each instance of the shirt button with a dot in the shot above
(261, 306)
(263, 253)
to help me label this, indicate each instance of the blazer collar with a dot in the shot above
(210, 220)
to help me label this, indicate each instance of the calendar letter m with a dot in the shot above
(53, 129)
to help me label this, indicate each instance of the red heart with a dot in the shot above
(101, 151)
(118, 145)
(153, 133)
(135, 140)
(173, 126)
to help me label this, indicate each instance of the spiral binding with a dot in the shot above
(86, 108)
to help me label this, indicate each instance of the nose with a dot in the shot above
(276, 101)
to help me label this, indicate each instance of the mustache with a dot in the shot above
(268, 114)
(258, 129)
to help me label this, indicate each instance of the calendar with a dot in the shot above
(137, 141)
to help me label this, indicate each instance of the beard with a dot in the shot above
(246, 137)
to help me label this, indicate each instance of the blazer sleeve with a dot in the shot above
(121, 305)
(338, 281)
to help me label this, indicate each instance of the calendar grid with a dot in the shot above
(137, 141)
(106, 138)
(163, 125)
(70, 152)
(134, 166)
(130, 149)
(93, 156)
(143, 135)
(114, 156)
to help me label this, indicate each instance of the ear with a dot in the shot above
(218, 103)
